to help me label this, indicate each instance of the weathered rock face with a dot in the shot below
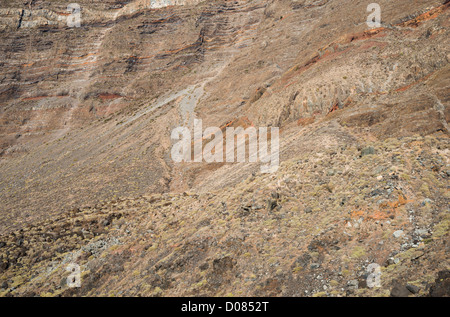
(86, 113)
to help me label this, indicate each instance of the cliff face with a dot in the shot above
(86, 115)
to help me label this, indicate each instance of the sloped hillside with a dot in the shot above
(86, 174)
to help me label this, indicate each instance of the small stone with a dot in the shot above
(391, 261)
(421, 232)
(400, 291)
(314, 266)
(308, 210)
(275, 195)
(204, 267)
(376, 192)
(412, 288)
(353, 284)
(367, 151)
(399, 233)
(4, 266)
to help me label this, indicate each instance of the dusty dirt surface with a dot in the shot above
(87, 178)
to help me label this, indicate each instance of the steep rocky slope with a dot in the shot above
(86, 174)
